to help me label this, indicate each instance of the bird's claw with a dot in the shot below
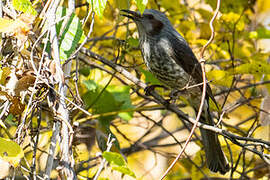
(174, 95)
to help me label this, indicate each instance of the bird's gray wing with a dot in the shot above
(183, 56)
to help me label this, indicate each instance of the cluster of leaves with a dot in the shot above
(117, 108)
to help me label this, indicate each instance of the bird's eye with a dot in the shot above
(149, 16)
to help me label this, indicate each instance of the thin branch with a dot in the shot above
(102, 164)
(50, 159)
(243, 87)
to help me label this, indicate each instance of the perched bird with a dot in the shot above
(168, 56)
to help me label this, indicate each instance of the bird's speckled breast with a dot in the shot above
(158, 61)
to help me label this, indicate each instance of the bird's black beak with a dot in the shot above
(131, 14)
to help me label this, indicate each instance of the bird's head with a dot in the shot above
(151, 22)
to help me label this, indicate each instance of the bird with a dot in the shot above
(170, 59)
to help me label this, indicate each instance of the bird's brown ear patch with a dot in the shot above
(157, 26)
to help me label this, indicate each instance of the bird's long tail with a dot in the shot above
(215, 158)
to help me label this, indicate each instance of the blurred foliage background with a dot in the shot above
(112, 124)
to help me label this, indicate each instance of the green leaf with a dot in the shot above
(141, 4)
(173, 5)
(100, 101)
(149, 77)
(90, 85)
(118, 163)
(85, 71)
(114, 158)
(232, 5)
(124, 170)
(122, 4)
(24, 6)
(10, 151)
(206, 15)
(122, 96)
(71, 35)
(82, 38)
(99, 6)
(133, 42)
(263, 33)
(126, 115)
(10, 120)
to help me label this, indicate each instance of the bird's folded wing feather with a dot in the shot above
(183, 56)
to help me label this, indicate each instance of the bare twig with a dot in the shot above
(54, 138)
(242, 87)
(102, 164)
(35, 141)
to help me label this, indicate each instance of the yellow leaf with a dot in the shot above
(220, 77)
(233, 18)
(8, 25)
(10, 151)
(18, 27)
(263, 6)
(4, 72)
(253, 68)
(253, 35)
(195, 172)
(230, 17)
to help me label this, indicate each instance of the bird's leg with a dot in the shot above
(174, 95)
(150, 88)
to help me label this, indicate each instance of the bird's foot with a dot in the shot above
(175, 93)
(150, 88)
